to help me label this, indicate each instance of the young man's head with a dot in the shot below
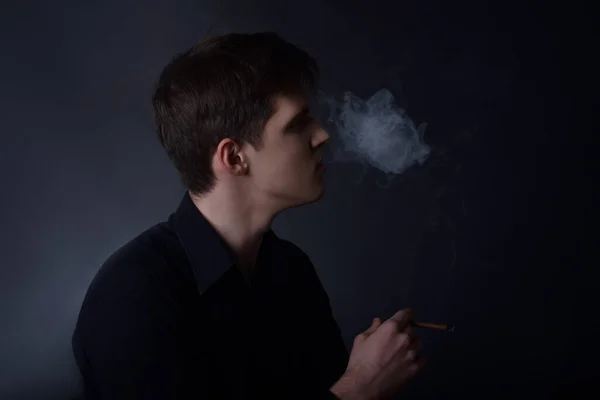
(233, 111)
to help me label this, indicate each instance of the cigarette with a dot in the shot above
(439, 327)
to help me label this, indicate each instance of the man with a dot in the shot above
(211, 304)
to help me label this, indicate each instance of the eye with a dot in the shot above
(303, 123)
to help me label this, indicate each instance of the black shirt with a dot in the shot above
(170, 316)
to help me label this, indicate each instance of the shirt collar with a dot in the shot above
(207, 252)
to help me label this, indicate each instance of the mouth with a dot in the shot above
(320, 166)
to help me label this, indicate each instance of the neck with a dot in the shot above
(239, 220)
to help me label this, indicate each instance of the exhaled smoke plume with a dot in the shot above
(375, 131)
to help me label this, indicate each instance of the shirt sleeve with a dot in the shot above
(135, 348)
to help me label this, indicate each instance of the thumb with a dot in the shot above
(376, 324)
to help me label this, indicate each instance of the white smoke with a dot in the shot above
(375, 131)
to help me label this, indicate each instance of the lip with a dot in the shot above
(320, 166)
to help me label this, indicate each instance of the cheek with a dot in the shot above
(286, 174)
(275, 170)
(285, 165)
(293, 157)
(299, 164)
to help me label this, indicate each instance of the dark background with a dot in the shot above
(489, 234)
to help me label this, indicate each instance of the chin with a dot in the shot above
(321, 191)
(311, 196)
(318, 192)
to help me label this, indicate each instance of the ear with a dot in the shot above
(230, 158)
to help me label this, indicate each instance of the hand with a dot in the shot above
(382, 359)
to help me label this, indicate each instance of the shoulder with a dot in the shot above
(137, 304)
(143, 272)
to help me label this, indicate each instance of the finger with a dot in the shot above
(419, 362)
(416, 365)
(376, 323)
(415, 345)
(408, 333)
(402, 318)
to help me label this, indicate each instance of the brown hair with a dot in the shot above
(224, 87)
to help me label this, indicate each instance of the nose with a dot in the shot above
(320, 137)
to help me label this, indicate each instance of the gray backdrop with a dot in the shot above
(486, 235)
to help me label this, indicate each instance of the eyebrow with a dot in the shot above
(297, 118)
